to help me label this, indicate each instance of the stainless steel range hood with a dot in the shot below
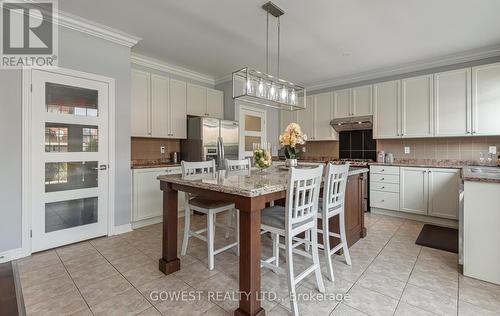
(352, 123)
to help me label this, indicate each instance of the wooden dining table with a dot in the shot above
(249, 191)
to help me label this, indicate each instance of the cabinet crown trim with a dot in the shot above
(381, 73)
(155, 64)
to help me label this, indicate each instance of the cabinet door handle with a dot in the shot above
(382, 201)
(382, 187)
(382, 179)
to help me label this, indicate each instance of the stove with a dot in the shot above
(357, 162)
(360, 163)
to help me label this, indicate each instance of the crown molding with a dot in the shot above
(223, 79)
(448, 60)
(83, 25)
(153, 63)
(92, 28)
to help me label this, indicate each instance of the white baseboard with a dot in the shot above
(122, 229)
(13, 254)
(154, 220)
(416, 217)
(147, 222)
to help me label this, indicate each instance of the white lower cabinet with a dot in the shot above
(384, 187)
(414, 190)
(147, 196)
(444, 185)
(422, 191)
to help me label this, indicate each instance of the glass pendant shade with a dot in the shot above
(256, 87)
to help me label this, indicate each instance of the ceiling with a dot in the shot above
(321, 40)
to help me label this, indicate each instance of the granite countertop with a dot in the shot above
(482, 174)
(152, 163)
(245, 183)
(427, 163)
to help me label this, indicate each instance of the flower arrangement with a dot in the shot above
(290, 138)
(262, 156)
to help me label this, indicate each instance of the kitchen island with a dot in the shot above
(251, 191)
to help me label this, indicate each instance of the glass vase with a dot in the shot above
(262, 158)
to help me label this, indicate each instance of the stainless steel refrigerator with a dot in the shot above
(210, 138)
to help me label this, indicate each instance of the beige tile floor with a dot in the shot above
(115, 275)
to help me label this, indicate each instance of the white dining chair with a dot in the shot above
(237, 165)
(241, 166)
(298, 216)
(333, 204)
(208, 207)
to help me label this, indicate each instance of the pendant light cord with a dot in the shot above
(278, 47)
(267, 44)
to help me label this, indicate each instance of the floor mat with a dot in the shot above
(437, 237)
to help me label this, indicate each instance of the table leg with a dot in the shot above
(169, 263)
(250, 249)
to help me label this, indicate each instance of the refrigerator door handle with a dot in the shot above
(223, 155)
(219, 153)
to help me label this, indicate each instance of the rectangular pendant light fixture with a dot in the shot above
(257, 87)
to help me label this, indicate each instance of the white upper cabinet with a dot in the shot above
(202, 101)
(452, 103)
(444, 187)
(315, 119)
(362, 101)
(417, 106)
(306, 118)
(486, 99)
(353, 102)
(386, 109)
(323, 114)
(215, 103)
(196, 100)
(160, 106)
(414, 189)
(178, 109)
(140, 113)
(342, 103)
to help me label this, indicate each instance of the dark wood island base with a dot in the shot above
(250, 197)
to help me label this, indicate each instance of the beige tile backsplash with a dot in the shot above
(459, 148)
(149, 148)
(322, 149)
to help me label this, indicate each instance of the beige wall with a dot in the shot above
(459, 148)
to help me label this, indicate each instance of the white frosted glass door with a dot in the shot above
(69, 184)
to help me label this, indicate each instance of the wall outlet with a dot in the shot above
(493, 150)
(407, 150)
(162, 150)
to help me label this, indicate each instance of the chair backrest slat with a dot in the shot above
(236, 165)
(198, 167)
(334, 188)
(302, 195)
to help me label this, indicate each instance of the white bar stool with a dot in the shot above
(298, 216)
(206, 206)
(237, 165)
(332, 204)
